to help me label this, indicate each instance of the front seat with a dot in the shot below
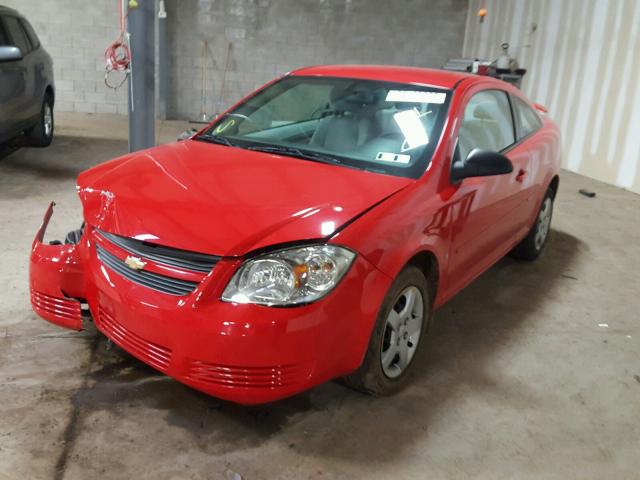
(390, 137)
(481, 131)
(351, 121)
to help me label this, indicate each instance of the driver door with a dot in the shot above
(15, 107)
(485, 221)
(10, 81)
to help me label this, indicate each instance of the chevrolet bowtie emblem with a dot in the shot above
(134, 263)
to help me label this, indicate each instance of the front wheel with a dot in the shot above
(397, 336)
(41, 134)
(532, 245)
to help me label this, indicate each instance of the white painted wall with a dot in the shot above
(583, 58)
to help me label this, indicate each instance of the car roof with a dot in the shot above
(423, 76)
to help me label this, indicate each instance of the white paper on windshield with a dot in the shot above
(412, 128)
(393, 157)
(415, 96)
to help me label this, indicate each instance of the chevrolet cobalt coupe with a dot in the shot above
(308, 233)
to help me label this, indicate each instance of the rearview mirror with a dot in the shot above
(10, 54)
(481, 163)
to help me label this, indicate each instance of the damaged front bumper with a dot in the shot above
(247, 354)
(57, 279)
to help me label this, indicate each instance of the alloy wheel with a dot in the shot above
(544, 223)
(402, 332)
(47, 120)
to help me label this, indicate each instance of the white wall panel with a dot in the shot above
(583, 61)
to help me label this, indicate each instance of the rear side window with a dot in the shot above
(528, 120)
(33, 38)
(4, 38)
(487, 123)
(17, 35)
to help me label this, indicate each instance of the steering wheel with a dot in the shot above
(244, 117)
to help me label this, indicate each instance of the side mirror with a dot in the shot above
(10, 54)
(187, 134)
(481, 163)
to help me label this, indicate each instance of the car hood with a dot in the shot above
(225, 200)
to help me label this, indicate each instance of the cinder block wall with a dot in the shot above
(271, 37)
(76, 34)
(267, 37)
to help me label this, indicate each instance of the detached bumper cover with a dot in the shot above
(243, 353)
(56, 280)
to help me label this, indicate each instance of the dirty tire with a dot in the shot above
(41, 134)
(371, 377)
(533, 244)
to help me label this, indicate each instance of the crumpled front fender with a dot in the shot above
(56, 279)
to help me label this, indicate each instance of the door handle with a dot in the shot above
(520, 175)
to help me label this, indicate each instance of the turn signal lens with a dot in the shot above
(289, 277)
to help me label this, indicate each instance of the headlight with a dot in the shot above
(290, 276)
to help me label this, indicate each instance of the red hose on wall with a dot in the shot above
(118, 55)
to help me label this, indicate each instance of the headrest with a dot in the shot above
(485, 111)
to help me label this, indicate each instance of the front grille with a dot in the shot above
(192, 261)
(152, 280)
(151, 353)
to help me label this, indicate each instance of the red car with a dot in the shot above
(309, 232)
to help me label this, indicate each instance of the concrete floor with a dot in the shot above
(522, 378)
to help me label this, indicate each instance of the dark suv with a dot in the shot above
(26, 82)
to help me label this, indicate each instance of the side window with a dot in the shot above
(17, 34)
(528, 119)
(31, 34)
(4, 38)
(487, 123)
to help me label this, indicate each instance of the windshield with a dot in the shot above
(378, 126)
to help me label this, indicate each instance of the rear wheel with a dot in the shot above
(396, 339)
(532, 245)
(41, 134)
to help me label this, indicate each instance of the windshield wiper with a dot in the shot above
(217, 139)
(295, 152)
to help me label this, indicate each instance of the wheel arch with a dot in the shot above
(48, 91)
(554, 184)
(427, 262)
